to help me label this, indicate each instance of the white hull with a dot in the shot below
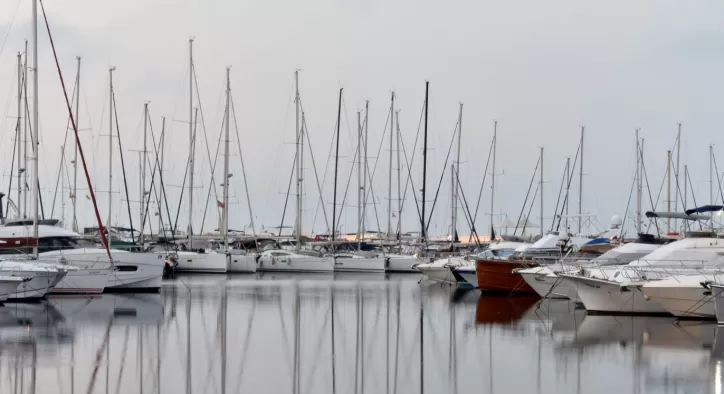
(718, 292)
(365, 264)
(546, 285)
(141, 271)
(402, 264)
(83, 281)
(200, 262)
(599, 295)
(682, 300)
(242, 263)
(37, 287)
(8, 286)
(296, 264)
(470, 277)
(439, 274)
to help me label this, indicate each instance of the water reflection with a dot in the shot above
(328, 334)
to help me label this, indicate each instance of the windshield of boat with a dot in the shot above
(496, 253)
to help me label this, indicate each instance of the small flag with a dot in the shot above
(87, 197)
(72, 196)
(219, 204)
(393, 215)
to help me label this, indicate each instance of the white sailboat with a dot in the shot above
(8, 285)
(289, 261)
(235, 263)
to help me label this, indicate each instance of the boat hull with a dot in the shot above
(498, 276)
(242, 263)
(547, 285)
(37, 287)
(603, 296)
(7, 287)
(402, 264)
(469, 275)
(296, 264)
(371, 264)
(140, 271)
(200, 262)
(680, 301)
(83, 281)
(718, 292)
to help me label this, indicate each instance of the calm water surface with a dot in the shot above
(344, 334)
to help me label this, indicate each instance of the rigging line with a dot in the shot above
(324, 175)
(718, 179)
(276, 157)
(153, 187)
(482, 185)
(316, 174)
(65, 140)
(289, 188)
(34, 146)
(628, 204)
(558, 201)
(678, 186)
(409, 181)
(17, 134)
(12, 169)
(123, 167)
(572, 170)
(160, 173)
(374, 169)
(466, 212)
(10, 27)
(243, 170)
(183, 185)
(206, 139)
(346, 190)
(532, 202)
(527, 194)
(648, 188)
(57, 181)
(692, 192)
(442, 175)
(80, 149)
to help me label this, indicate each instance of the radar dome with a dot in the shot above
(616, 221)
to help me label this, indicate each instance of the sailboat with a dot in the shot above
(300, 260)
(195, 259)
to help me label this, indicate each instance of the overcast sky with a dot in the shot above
(542, 69)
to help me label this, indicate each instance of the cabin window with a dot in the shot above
(127, 268)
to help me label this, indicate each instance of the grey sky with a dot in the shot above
(540, 68)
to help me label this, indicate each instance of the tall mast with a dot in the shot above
(389, 175)
(492, 183)
(25, 137)
(336, 162)
(75, 149)
(668, 190)
(110, 148)
(541, 191)
(34, 180)
(676, 178)
(455, 178)
(399, 182)
(423, 232)
(225, 228)
(711, 177)
(686, 184)
(192, 144)
(359, 181)
(17, 133)
(365, 174)
(580, 184)
(298, 135)
(568, 190)
(638, 184)
(143, 174)
(161, 230)
(62, 184)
